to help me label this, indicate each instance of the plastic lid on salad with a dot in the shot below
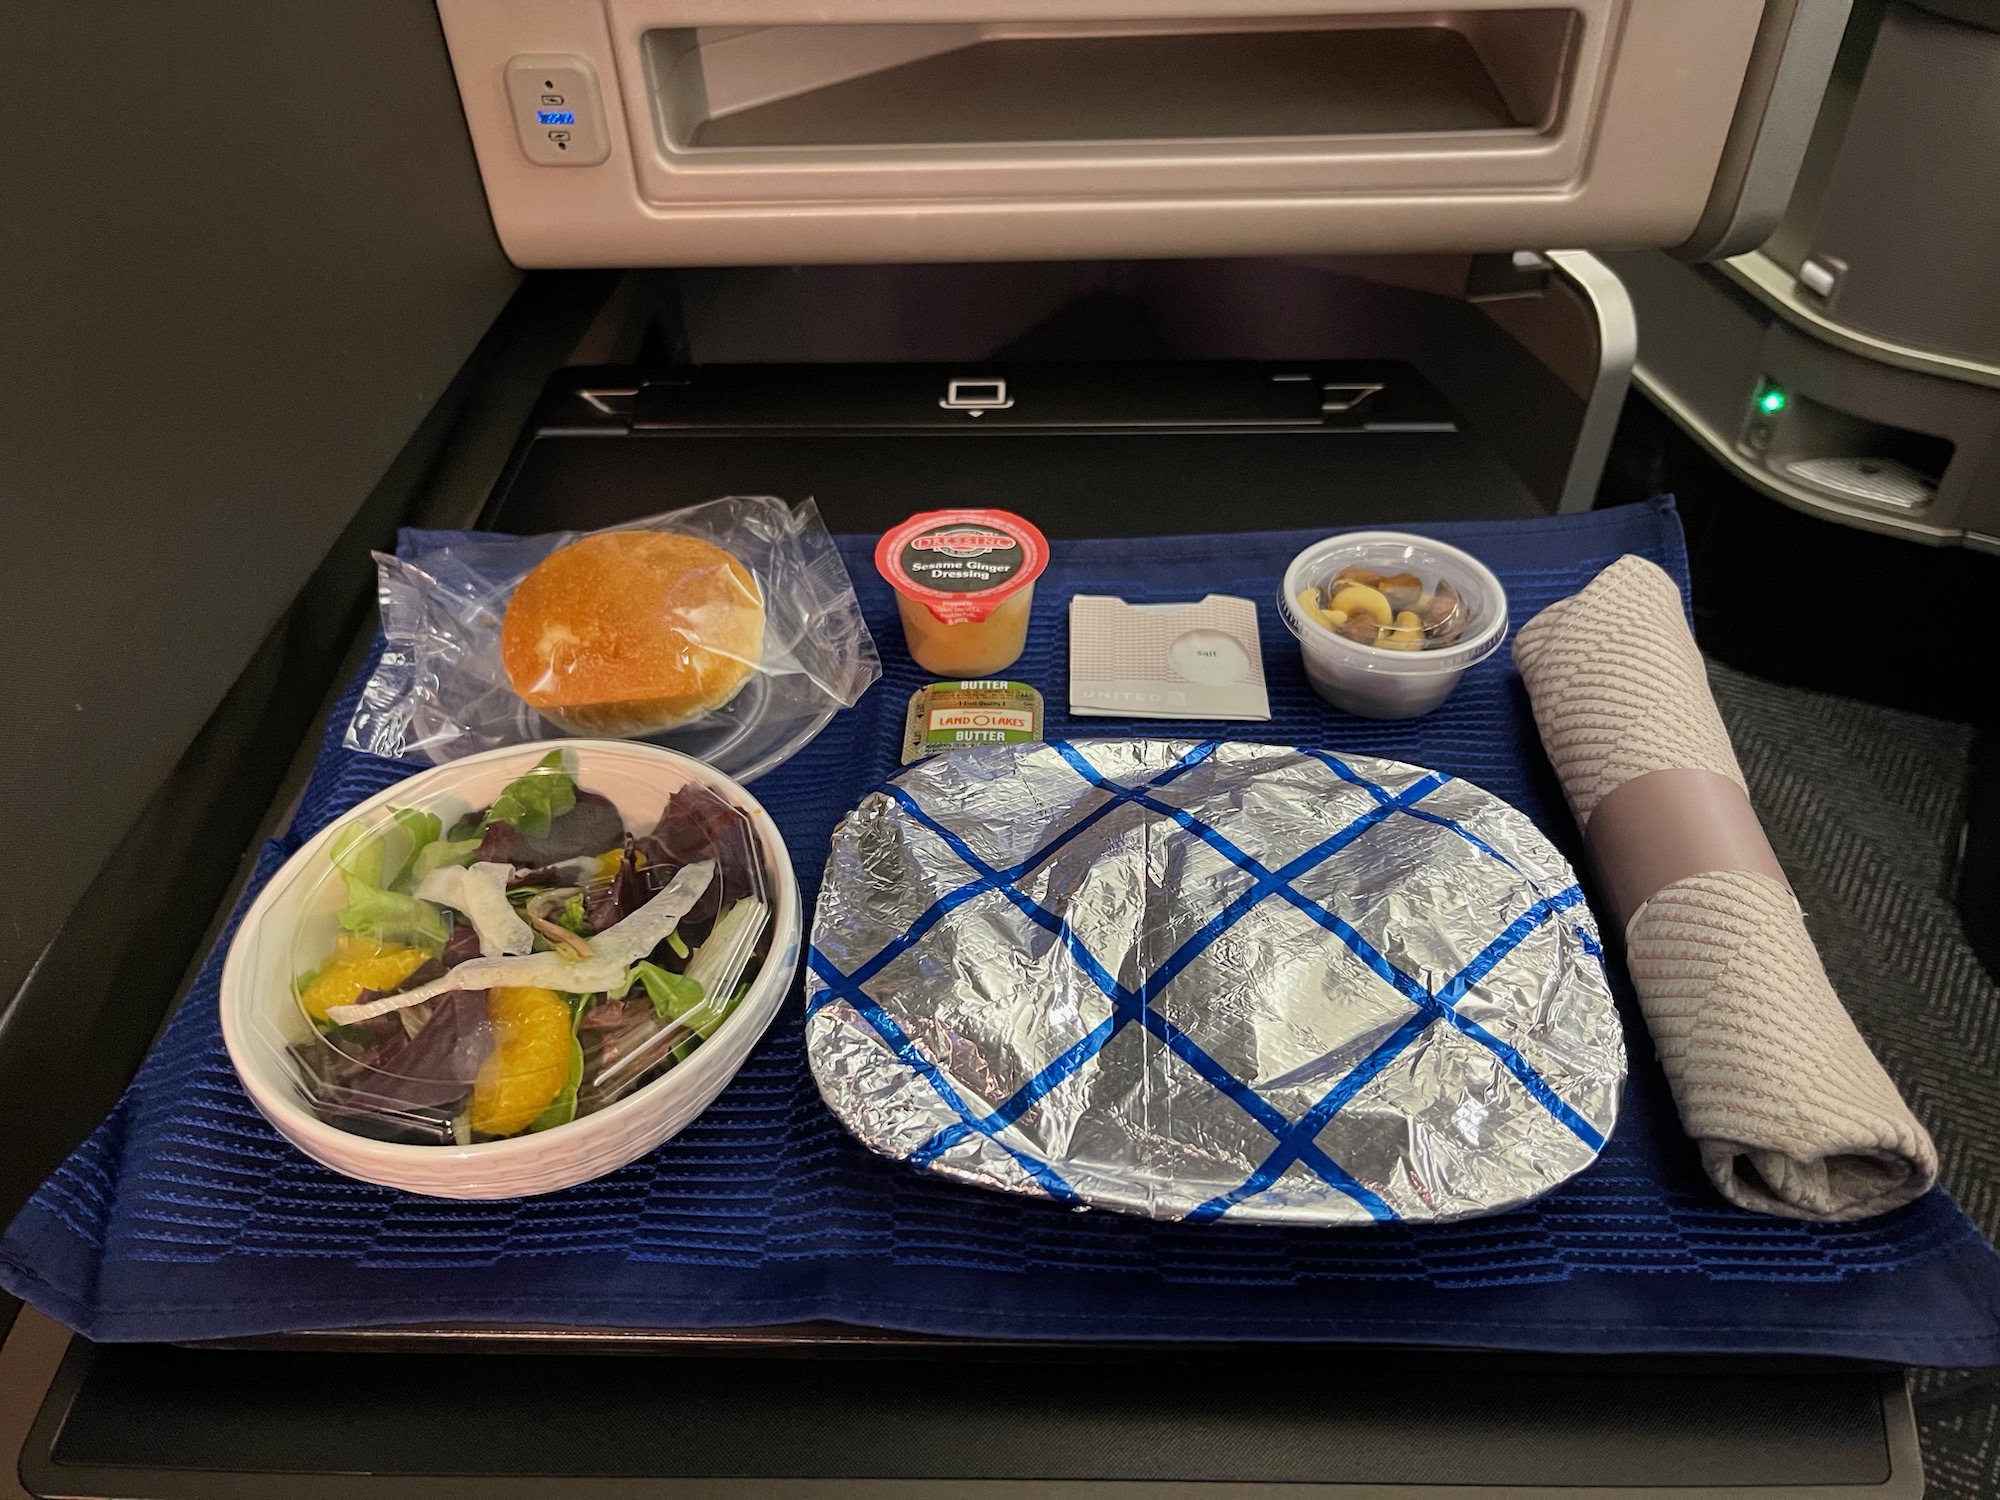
(478, 974)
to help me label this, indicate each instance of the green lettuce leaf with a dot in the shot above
(536, 799)
(439, 853)
(379, 865)
(422, 827)
(704, 1021)
(706, 1028)
(673, 995)
(392, 917)
(676, 997)
(382, 856)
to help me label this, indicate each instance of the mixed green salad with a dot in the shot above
(531, 963)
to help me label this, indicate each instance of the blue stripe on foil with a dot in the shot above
(1590, 944)
(1467, 834)
(1130, 1005)
(1263, 884)
(993, 879)
(1348, 774)
(1511, 937)
(1301, 1135)
(1434, 1008)
(1296, 1140)
(1443, 1004)
(884, 1025)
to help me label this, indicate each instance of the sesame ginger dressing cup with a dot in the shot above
(965, 583)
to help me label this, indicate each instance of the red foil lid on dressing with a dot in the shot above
(961, 565)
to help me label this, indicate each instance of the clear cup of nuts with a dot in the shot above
(1388, 621)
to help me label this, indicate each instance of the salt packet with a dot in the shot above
(1166, 661)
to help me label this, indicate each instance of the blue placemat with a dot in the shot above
(184, 1216)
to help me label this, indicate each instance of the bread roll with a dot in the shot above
(630, 632)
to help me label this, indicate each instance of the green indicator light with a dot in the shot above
(1771, 402)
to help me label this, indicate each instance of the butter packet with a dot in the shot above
(952, 715)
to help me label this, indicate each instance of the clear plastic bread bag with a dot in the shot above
(452, 677)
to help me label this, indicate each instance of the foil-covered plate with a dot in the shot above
(1191, 980)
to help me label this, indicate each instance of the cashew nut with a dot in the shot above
(1407, 634)
(1359, 599)
(1333, 619)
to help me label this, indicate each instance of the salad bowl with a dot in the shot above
(268, 1028)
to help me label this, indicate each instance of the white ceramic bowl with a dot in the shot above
(259, 1011)
(1373, 681)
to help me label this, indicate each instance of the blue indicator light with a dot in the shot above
(555, 117)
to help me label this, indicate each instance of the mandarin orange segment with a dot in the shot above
(530, 1061)
(358, 964)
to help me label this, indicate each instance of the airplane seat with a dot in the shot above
(1849, 366)
(1905, 239)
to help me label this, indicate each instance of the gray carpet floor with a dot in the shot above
(1863, 806)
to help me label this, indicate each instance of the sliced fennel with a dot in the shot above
(613, 952)
(480, 892)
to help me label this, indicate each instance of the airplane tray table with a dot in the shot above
(184, 1217)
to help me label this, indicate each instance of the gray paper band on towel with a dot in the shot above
(1667, 825)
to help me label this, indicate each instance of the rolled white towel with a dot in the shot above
(1792, 1112)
